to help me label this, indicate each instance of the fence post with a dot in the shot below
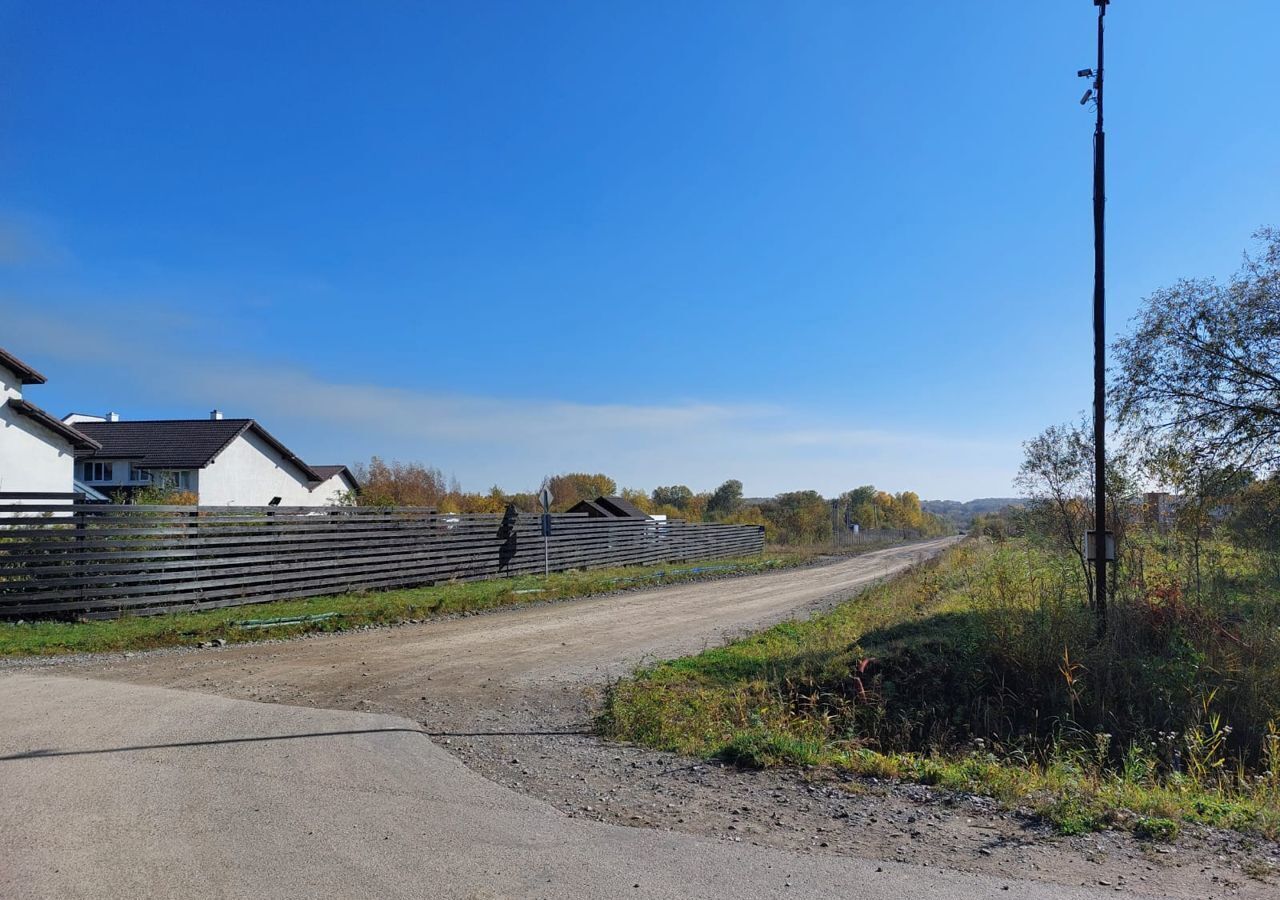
(77, 567)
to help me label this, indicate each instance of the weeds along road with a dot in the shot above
(132, 777)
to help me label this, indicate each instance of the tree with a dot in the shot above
(753, 515)
(1255, 521)
(907, 511)
(1057, 475)
(638, 498)
(571, 487)
(696, 509)
(860, 506)
(725, 499)
(1202, 491)
(399, 484)
(1201, 371)
(676, 495)
(800, 517)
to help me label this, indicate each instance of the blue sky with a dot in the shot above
(804, 245)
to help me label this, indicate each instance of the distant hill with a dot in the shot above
(961, 514)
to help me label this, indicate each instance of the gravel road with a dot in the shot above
(510, 695)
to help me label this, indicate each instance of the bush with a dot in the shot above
(1154, 828)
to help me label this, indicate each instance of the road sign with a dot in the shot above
(545, 497)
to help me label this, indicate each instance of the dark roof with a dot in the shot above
(327, 472)
(609, 508)
(591, 509)
(623, 509)
(79, 440)
(178, 443)
(25, 373)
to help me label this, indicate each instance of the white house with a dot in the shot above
(37, 452)
(224, 462)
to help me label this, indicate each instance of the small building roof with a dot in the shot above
(25, 373)
(592, 509)
(609, 508)
(78, 439)
(623, 509)
(327, 472)
(178, 443)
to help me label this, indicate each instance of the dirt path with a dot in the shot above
(511, 694)
(470, 672)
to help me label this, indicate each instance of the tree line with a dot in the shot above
(795, 517)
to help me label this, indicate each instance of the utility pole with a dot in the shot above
(1099, 333)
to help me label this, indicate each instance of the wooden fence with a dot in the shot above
(104, 561)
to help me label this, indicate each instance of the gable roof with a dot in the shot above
(25, 373)
(609, 508)
(623, 509)
(79, 440)
(327, 472)
(178, 443)
(593, 510)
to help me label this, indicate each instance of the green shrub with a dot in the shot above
(1154, 828)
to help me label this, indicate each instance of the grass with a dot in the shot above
(982, 673)
(347, 611)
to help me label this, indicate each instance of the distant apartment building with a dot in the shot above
(1160, 509)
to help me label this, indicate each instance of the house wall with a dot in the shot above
(250, 472)
(10, 385)
(31, 458)
(330, 490)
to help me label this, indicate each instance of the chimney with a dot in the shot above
(113, 417)
(216, 415)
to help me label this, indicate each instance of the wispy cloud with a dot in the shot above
(487, 439)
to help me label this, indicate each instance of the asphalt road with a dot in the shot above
(131, 791)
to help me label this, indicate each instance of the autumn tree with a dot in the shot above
(800, 517)
(696, 509)
(753, 515)
(860, 506)
(399, 484)
(570, 488)
(638, 498)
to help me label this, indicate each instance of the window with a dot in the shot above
(97, 471)
(137, 474)
(175, 479)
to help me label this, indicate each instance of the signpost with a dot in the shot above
(545, 497)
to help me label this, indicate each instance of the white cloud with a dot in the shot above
(514, 441)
